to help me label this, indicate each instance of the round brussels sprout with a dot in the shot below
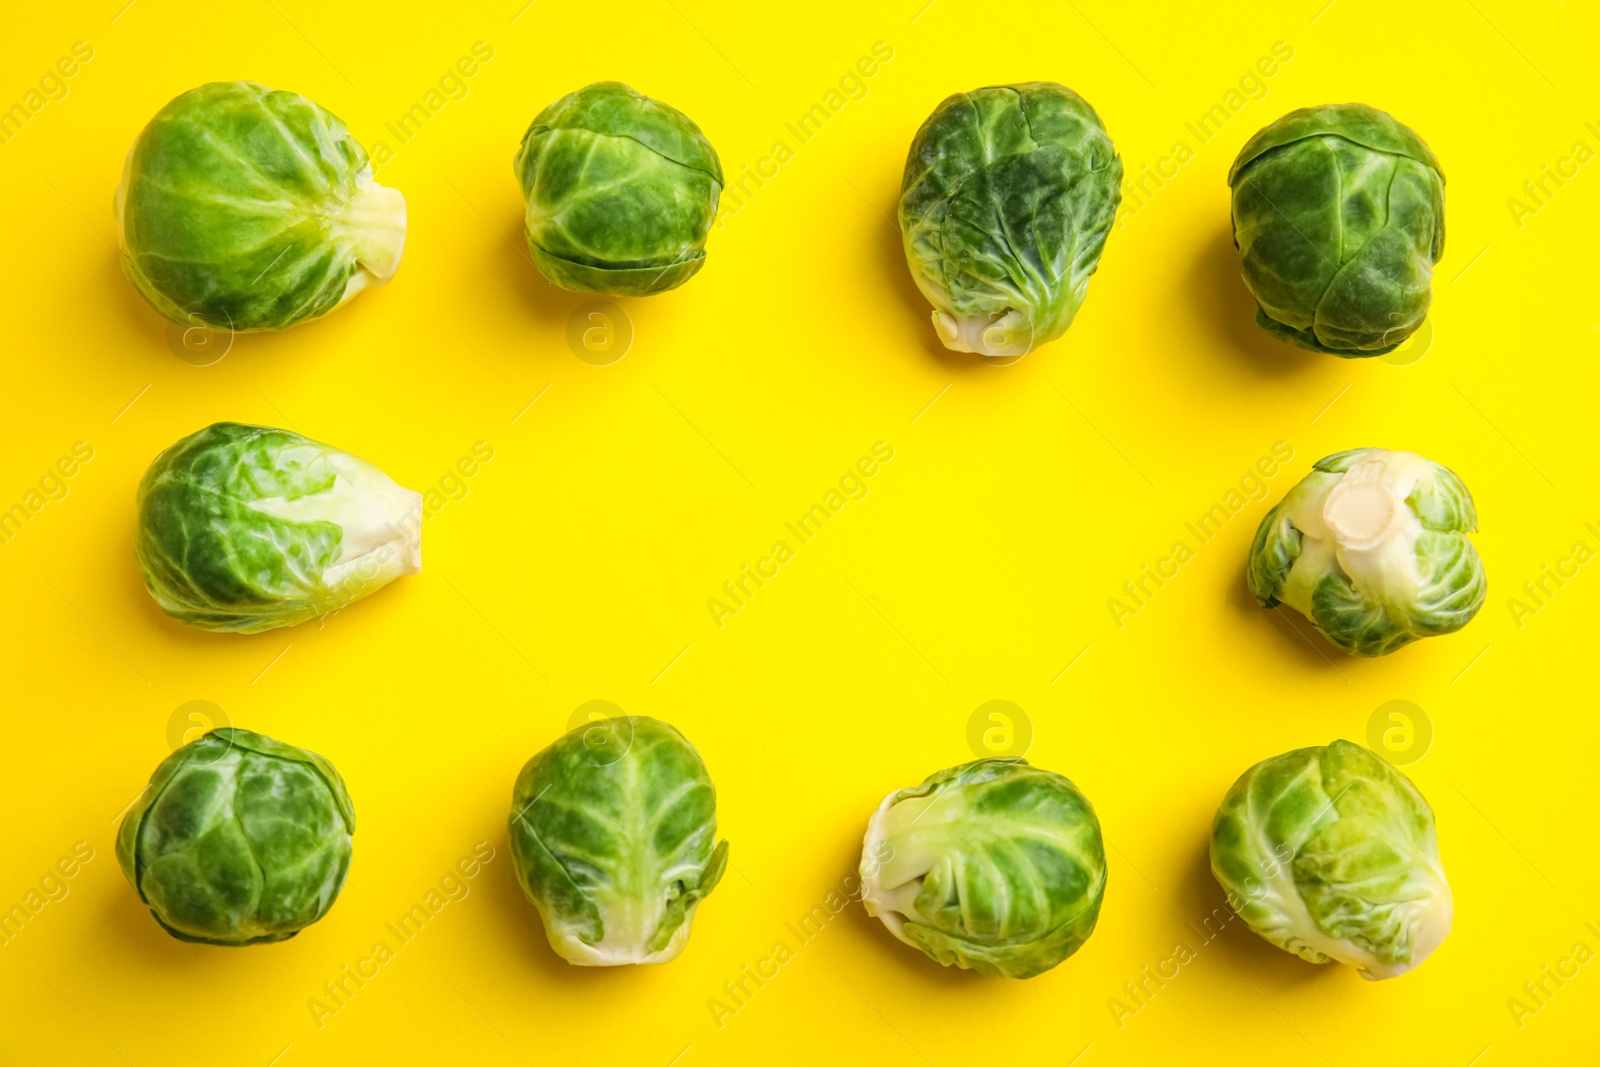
(1330, 853)
(621, 191)
(246, 528)
(247, 208)
(1008, 195)
(238, 839)
(994, 865)
(1371, 546)
(614, 840)
(1338, 215)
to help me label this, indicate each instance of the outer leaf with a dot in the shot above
(1454, 586)
(1362, 624)
(1272, 554)
(1443, 502)
(266, 746)
(1367, 127)
(1340, 462)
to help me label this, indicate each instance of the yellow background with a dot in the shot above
(978, 567)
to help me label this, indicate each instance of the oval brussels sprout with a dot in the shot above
(1330, 853)
(614, 840)
(620, 191)
(246, 528)
(238, 839)
(1338, 215)
(1008, 195)
(247, 208)
(1371, 546)
(994, 865)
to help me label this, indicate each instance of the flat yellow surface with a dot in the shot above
(578, 563)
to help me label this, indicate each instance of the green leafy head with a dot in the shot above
(247, 208)
(1338, 215)
(1371, 546)
(614, 838)
(995, 865)
(238, 839)
(246, 528)
(1008, 196)
(1330, 853)
(620, 191)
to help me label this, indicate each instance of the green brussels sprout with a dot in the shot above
(1008, 195)
(247, 528)
(247, 208)
(614, 839)
(1330, 853)
(1371, 546)
(621, 191)
(1338, 215)
(238, 839)
(994, 865)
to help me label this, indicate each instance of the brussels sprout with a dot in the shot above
(1008, 195)
(1330, 853)
(612, 835)
(247, 208)
(247, 528)
(238, 839)
(994, 865)
(1338, 215)
(1371, 546)
(620, 190)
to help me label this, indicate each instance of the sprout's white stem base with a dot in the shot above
(1007, 334)
(1363, 508)
(374, 221)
